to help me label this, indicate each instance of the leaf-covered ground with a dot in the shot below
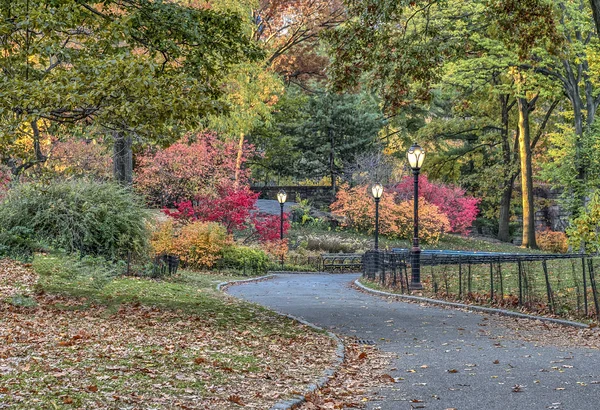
(116, 348)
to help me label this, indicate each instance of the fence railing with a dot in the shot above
(556, 284)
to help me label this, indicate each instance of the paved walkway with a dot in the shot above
(446, 359)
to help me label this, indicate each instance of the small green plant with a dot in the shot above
(22, 301)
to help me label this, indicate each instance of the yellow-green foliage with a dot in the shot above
(584, 229)
(197, 244)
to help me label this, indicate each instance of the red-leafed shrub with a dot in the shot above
(460, 209)
(200, 164)
(236, 210)
(357, 208)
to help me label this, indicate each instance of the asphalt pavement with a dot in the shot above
(444, 358)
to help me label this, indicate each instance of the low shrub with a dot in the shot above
(432, 222)
(163, 237)
(200, 244)
(245, 259)
(551, 241)
(357, 209)
(77, 216)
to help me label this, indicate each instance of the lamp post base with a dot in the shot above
(415, 286)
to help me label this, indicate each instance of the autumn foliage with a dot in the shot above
(356, 206)
(200, 164)
(551, 241)
(236, 210)
(460, 209)
(197, 244)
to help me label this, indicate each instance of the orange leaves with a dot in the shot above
(234, 398)
(198, 244)
(357, 208)
(550, 241)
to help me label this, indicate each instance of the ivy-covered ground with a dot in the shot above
(68, 340)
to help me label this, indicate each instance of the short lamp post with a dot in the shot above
(416, 156)
(377, 191)
(281, 197)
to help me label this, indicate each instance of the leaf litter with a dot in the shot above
(70, 352)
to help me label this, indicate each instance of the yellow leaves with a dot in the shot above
(198, 244)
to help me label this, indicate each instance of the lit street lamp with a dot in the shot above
(416, 156)
(281, 197)
(377, 191)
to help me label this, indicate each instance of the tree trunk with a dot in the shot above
(504, 218)
(508, 179)
(238, 160)
(332, 162)
(595, 4)
(526, 174)
(122, 159)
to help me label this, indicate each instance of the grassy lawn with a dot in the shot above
(75, 336)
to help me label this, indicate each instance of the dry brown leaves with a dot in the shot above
(63, 352)
(364, 371)
(544, 333)
(15, 279)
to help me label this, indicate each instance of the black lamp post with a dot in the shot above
(416, 156)
(281, 197)
(377, 191)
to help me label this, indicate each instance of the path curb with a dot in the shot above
(482, 309)
(328, 374)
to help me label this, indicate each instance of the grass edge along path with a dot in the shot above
(76, 339)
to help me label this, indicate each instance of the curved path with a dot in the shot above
(446, 359)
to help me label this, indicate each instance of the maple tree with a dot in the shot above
(132, 70)
(289, 30)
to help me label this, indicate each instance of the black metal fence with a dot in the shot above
(557, 284)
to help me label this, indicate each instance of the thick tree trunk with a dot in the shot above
(526, 175)
(122, 159)
(508, 179)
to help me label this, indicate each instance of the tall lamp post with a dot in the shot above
(377, 191)
(281, 197)
(416, 156)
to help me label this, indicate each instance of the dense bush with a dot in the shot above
(200, 164)
(584, 229)
(356, 206)
(236, 210)
(552, 241)
(460, 209)
(197, 244)
(90, 218)
(245, 259)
